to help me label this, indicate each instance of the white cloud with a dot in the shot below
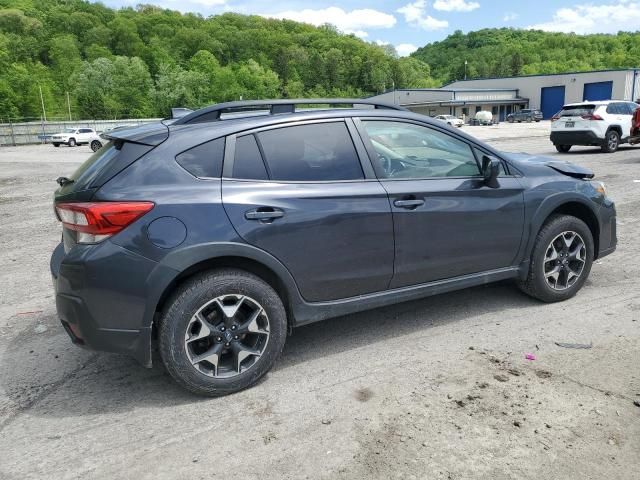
(590, 18)
(415, 14)
(509, 16)
(405, 49)
(455, 5)
(355, 21)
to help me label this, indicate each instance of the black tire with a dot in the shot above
(95, 145)
(56, 144)
(72, 142)
(536, 284)
(611, 142)
(183, 305)
(563, 148)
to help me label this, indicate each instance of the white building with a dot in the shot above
(501, 96)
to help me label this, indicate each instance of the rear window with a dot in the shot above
(204, 160)
(576, 110)
(308, 153)
(93, 165)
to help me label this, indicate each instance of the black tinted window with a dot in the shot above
(204, 160)
(577, 110)
(318, 152)
(248, 162)
(616, 109)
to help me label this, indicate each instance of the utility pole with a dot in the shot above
(465, 69)
(44, 113)
(69, 106)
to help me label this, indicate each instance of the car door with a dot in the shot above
(302, 193)
(447, 222)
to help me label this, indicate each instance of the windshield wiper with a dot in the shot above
(62, 181)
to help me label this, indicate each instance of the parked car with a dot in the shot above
(605, 124)
(215, 237)
(525, 115)
(635, 125)
(96, 142)
(73, 137)
(451, 120)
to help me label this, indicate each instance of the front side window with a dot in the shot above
(310, 153)
(405, 150)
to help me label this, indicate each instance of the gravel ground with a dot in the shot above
(432, 389)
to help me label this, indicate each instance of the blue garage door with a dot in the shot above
(597, 91)
(551, 100)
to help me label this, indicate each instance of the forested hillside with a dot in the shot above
(506, 52)
(140, 62)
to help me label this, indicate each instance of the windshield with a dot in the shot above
(69, 130)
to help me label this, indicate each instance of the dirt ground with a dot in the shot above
(433, 389)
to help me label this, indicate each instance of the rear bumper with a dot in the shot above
(579, 137)
(101, 299)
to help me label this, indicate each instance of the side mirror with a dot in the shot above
(490, 171)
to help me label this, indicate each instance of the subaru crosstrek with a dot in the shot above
(212, 235)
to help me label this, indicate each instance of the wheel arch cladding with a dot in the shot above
(195, 260)
(584, 213)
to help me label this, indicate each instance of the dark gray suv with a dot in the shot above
(214, 234)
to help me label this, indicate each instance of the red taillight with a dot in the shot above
(591, 116)
(555, 117)
(95, 221)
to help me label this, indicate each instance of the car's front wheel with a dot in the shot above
(563, 148)
(72, 142)
(561, 259)
(56, 144)
(611, 142)
(222, 331)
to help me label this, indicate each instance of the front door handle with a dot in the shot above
(409, 203)
(264, 214)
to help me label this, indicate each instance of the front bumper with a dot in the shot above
(100, 295)
(578, 137)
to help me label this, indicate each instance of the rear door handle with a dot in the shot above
(264, 213)
(409, 203)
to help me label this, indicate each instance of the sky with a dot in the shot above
(407, 24)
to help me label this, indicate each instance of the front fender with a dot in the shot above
(546, 207)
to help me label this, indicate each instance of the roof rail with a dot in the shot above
(214, 112)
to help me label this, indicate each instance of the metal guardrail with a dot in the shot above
(25, 133)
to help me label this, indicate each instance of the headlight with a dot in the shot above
(600, 188)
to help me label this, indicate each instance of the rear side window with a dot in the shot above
(204, 160)
(308, 153)
(247, 163)
(577, 110)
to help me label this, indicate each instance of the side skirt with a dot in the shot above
(305, 312)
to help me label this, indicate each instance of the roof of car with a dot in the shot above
(595, 102)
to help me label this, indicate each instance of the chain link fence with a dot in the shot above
(26, 132)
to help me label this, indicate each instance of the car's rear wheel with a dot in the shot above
(95, 145)
(222, 331)
(561, 259)
(563, 148)
(72, 142)
(611, 142)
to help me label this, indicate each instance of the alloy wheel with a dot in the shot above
(227, 336)
(564, 260)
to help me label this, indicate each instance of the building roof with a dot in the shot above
(545, 75)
